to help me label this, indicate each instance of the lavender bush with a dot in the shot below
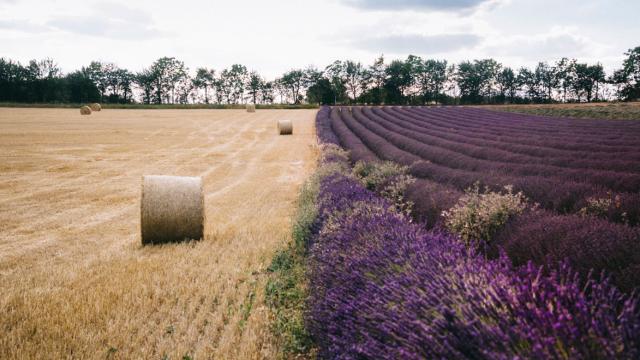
(588, 244)
(479, 215)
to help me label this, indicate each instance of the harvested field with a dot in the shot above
(613, 111)
(76, 281)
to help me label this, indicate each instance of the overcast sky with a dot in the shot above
(274, 36)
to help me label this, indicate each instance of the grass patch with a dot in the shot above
(247, 306)
(286, 290)
(610, 111)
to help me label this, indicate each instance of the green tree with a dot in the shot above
(587, 80)
(232, 83)
(507, 83)
(255, 85)
(146, 80)
(399, 79)
(355, 79)
(628, 78)
(378, 77)
(294, 81)
(431, 76)
(319, 88)
(81, 89)
(168, 73)
(530, 83)
(267, 93)
(476, 79)
(565, 75)
(95, 72)
(204, 79)
(334, 73)
(547, 78)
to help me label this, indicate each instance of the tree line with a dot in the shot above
(413, 80)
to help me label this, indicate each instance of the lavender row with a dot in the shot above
(551, 121)
(535, 148)
(504, 122)
(419, 145)
(588, 244)
(563, 197)
(359, 151)
(325, 133)
(480, 126)
(377, 144)
(565, 142)
(492, 149)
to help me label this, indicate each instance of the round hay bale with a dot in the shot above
(85, 110)
(251, 108)
(171, 209)
(95, 107)
(285, 127)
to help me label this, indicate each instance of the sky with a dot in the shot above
(272, 37)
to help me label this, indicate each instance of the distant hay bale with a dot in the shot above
(95, 107)
(85, 110)
(251, 108)
(171, 209)
(285, 127)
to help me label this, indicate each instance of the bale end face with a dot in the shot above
(251, 108)
(95, 107)
(171, 209)
(85, 110)
(285, 127)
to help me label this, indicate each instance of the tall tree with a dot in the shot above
(547, 78)
(588, 78)
(204, 79)
(125, 82)
(319, 89)
(356, 78)
(81, 89)
(530, 83)
(399, 79)
(294, 81)
(378, 78)
(507, 83)
(628, 78)
(146, 80)
(255, 84)
(334, 72)
(431, 76)
(565, 75)
(95, 72)
(232, 83)
(476, 79)
(168, 73)
(267, 93)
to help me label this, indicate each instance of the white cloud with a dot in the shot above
(394, 5)
(110, 20)
(555, 43)
(417, 44)
(23, 26)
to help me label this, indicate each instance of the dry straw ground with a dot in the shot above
(75, 281)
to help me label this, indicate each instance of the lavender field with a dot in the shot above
(562, 166)
(556, 279)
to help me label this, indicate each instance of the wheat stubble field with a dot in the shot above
(75, 280)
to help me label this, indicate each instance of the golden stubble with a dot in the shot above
(75, 281)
